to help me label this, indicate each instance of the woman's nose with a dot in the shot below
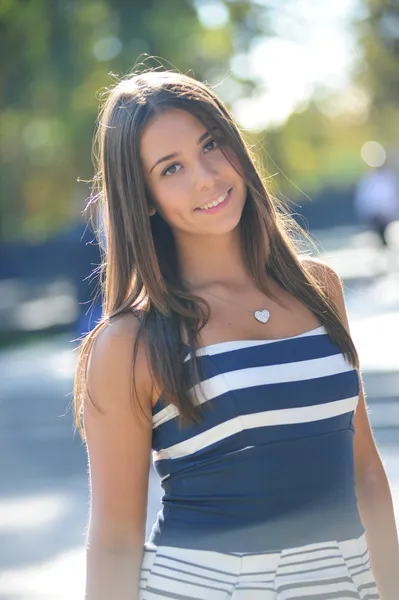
(204, 175)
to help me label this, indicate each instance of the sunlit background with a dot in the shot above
(315, 88)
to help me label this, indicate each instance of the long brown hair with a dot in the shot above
(140, 269)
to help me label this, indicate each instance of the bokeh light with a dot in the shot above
(373, 154)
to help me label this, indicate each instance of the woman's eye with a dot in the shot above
(211, 145)
(171, 169)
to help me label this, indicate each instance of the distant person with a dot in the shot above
(229, 355)
(377, 200)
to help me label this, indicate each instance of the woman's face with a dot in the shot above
(186, 172)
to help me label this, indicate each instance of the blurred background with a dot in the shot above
(315, 88)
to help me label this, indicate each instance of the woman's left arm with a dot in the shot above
(372, 487)
(376, 507)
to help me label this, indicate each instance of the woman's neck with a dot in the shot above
(214, 259)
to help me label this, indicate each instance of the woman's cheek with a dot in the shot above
(168, 201)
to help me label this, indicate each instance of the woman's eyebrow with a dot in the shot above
(175, 154)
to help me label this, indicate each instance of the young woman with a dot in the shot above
(227, 353)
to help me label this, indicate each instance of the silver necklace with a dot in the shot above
(260, 315)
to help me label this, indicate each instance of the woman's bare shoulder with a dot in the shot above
(317, 266)
(112, 359)
(121, 326)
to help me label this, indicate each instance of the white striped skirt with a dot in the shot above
(323, 571)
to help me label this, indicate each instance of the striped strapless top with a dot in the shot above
(270, 465)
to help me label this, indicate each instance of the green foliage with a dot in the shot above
(379, 36)
(313, 150)
(59, 55)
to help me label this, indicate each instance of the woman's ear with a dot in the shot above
(152, 212)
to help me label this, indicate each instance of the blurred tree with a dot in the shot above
(379, 73)
(320, 146)
(314, 150)
(58, 55)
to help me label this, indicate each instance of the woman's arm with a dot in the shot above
(376, 507)
(372, 488)
(119, 447)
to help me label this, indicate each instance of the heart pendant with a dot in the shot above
(262, 315)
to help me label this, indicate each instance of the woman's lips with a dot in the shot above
(219, 207)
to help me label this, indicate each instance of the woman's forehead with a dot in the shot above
(174, 119)
(169, 132)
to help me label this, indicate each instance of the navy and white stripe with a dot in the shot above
(327, 571)
(268, 467)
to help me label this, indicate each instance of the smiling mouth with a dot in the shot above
(211, 205)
